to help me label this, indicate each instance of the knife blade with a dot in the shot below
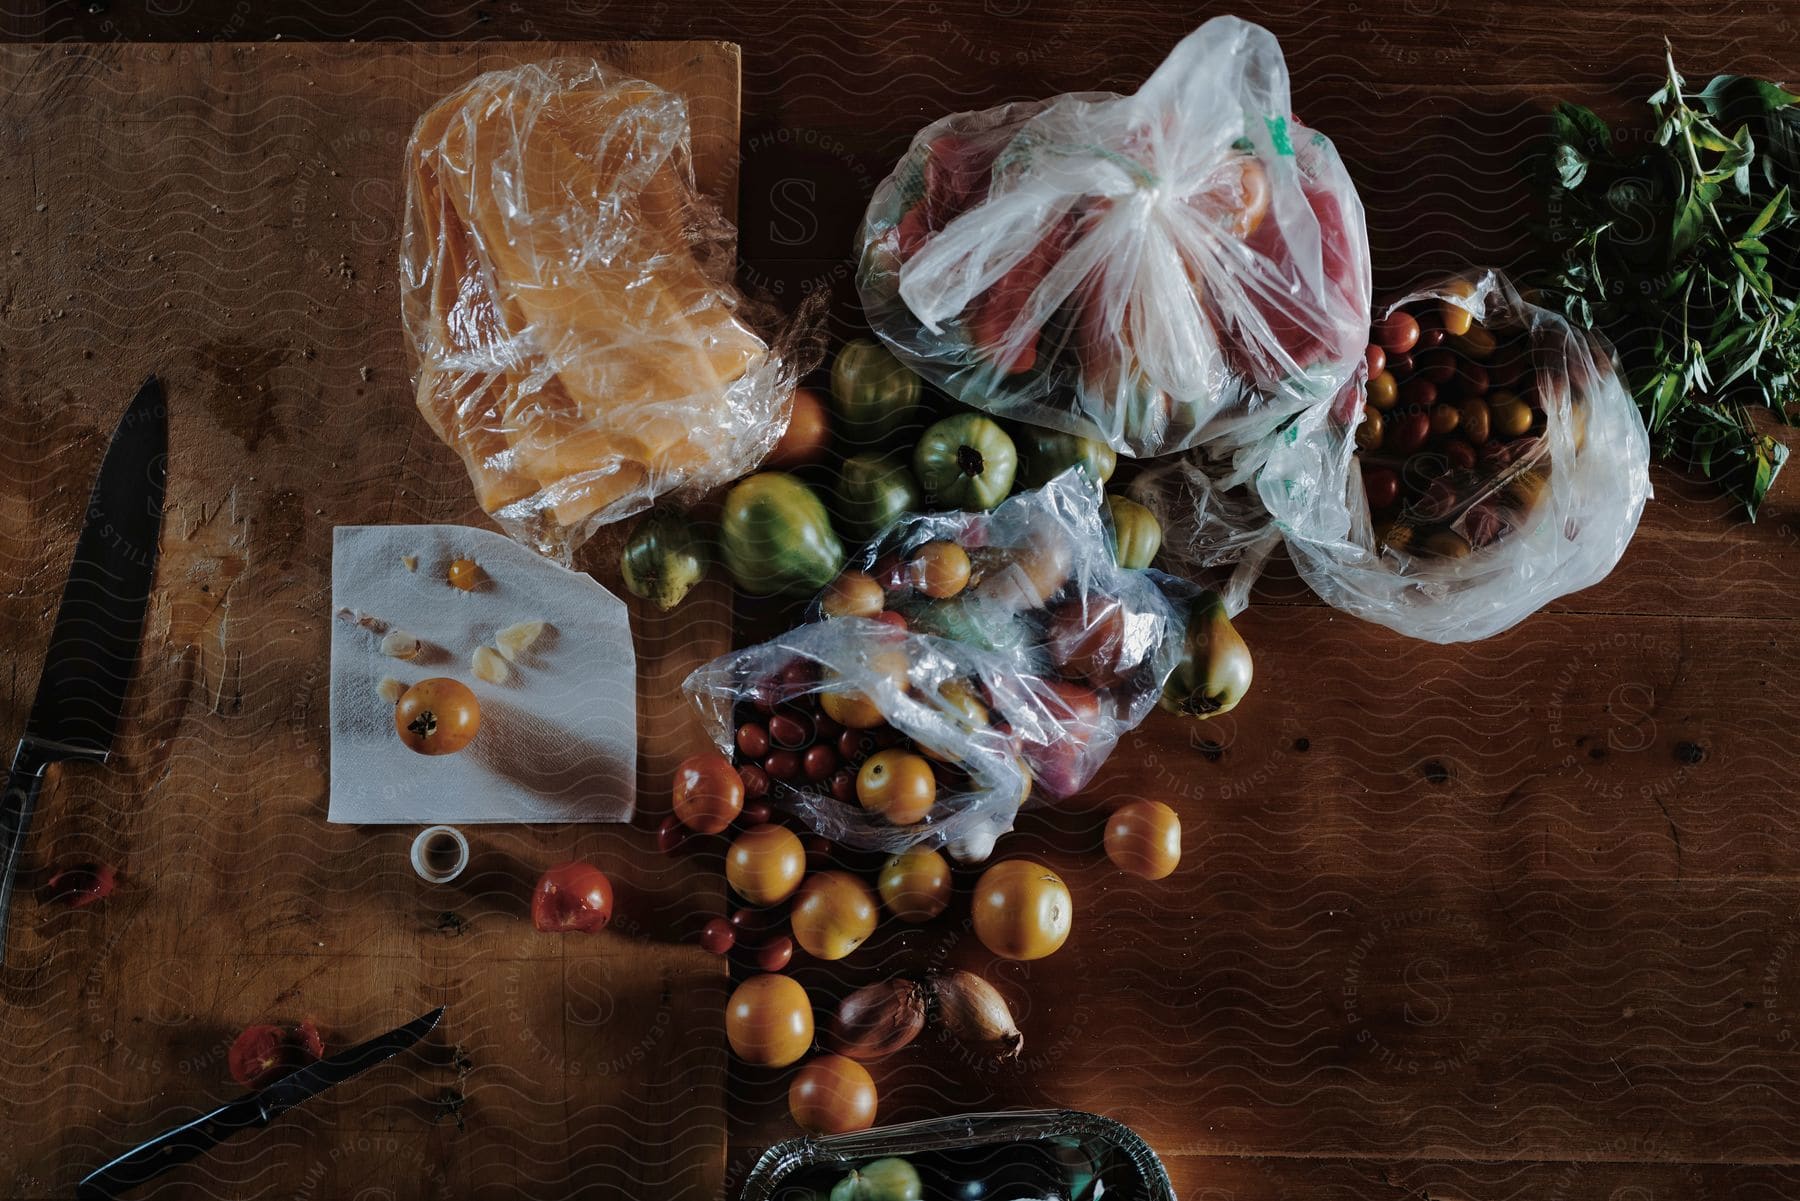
(200, 1134)
(94, 643)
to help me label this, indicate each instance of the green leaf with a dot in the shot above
(1778, 209)
(1571, 166)
(1727, 95)
(1582, 128)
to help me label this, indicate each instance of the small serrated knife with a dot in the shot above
(200, 1135)
(94, 644)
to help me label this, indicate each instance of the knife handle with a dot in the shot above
(170, 1149)
(16, 803)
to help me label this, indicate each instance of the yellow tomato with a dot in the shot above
(834, 913)
(765, 864)
(1022, 910)
(832, 1095)
(769, 1021)
(915, 885)
(1144, 838)
(897, 785)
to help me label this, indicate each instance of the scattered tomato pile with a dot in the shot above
(1453, 457)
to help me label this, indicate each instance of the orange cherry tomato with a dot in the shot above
(709, 792)
(439, 716)
(834, 912)
(915, 884)
(807, 436)
(897, 785)
(832, 1095)
(572, 897)
(765, 864)
(853, 594)
(1144, 838)
(769, 1021)
(1022, 910)
(464, 574)
(939, 569)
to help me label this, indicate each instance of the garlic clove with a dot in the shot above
(515, 640)
(390, 690)
(410, 562)
(487, 665)
(398, 644)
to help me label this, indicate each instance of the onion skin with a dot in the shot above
(875, 1021)
(974, 1012)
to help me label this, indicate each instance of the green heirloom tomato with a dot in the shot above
(891, 1179)
(664, 557)
(1213, 672)
(965, 462)
(775, 536)
(873, 394)
(1137, 535)
(1045, 454)
(871, 492)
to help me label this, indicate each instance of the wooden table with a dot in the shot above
(1519, 919)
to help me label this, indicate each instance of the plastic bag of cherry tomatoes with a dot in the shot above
(1487, 460)
(1184, 265)
(1006, 650)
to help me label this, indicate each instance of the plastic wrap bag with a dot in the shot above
(1187, 264)
(568, 298)
(1470, 550)
(1023, 680)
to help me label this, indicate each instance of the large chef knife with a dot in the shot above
(94, 644)
(207, 1131)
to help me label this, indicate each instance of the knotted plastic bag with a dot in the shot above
(568, 297)
(1187, 264)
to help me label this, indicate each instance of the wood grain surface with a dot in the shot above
(228, 216)
(1511, 920)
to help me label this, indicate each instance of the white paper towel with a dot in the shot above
(558, 740)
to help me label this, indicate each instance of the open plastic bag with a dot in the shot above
(1187, 264)
(1020, 679)
(568, 297)
(1481, 537)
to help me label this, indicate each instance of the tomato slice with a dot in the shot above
(81, 885)
(573, 897)
(264, 1052)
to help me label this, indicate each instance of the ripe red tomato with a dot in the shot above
(573, 896)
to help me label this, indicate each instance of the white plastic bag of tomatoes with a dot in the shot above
(1493, 463)
(1184, 265)
(1007, 649)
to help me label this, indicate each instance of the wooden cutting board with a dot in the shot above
(228, 216)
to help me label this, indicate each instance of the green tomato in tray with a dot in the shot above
(890, 1179)
(664, 558)
(872, 491)
(1045, 454)
(965, 462)
(1136, 534)
(775, 536)
(873, 394)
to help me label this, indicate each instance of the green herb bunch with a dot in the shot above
(1687, 256)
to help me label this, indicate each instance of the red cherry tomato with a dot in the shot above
(782, 765)
(756, 781)
(819, 763)
(1397, 332)
(572, 897)
(1382, 486)
(708, 792)
(1376, 359)
(716, 937)
(670, 835)
(775, 954)
(790, 731)
(753, 739)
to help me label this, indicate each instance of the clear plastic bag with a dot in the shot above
(1475, 547)
(568, 297)
(1021, 682)
(1184, 265)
